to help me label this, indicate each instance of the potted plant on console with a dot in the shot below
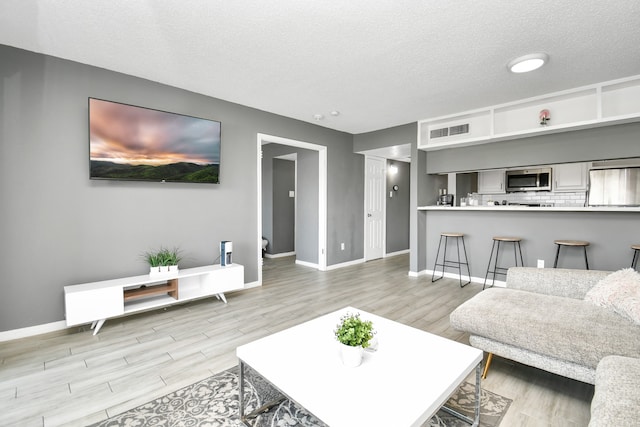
(163, 260)
(355, 335)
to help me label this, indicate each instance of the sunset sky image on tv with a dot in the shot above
(127, 142)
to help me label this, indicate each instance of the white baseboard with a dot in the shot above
(406, 251)
(30, 331)
(280, 255)
(417, 273)
(250, 285)
(480, 280)
(307, 264)
(345, 264)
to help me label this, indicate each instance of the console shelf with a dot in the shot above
(170, 288)
(95, 302)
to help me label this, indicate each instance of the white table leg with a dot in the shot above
(475, 422)
(97, 324)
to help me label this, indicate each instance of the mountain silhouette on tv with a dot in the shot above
(175, 172)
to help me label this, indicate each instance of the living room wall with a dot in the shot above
(58, 227)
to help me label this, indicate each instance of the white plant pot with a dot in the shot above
(351, 356)
(160, 271)
(173, 268)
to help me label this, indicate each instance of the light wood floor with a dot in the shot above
(75, 378)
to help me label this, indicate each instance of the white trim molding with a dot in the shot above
(345, 264)
(280, 255)
(31, 331)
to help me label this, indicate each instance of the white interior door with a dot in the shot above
(374, 208)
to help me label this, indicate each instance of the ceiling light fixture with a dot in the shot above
(527, 63)
(318, 117)
(335, 113)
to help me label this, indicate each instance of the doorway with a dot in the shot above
(374, 199)
(321, 259)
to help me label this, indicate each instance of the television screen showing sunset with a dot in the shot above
(135, 143)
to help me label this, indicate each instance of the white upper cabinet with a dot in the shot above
(491, 182)
(603, 104)
(570, 177)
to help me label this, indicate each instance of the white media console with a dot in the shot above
(96, 302)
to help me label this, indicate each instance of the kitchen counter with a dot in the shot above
(532, 208)
(610, 230)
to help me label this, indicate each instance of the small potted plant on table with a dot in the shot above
(354, 334)
(163, 260)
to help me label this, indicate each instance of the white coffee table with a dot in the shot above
(404, 383)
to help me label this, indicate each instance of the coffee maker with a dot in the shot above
(444, 199)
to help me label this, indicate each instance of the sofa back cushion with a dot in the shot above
(560, 282)
(620, 292)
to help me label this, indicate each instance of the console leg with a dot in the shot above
(97, 325)
(221, 297)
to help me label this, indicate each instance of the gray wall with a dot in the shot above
(397, 232)
(609, 142)
(397, 135)
(58, 228)
(307, 204)
(284, 220)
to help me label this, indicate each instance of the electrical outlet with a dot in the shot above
(342, 246)
(540, 263)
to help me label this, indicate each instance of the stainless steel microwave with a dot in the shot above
(529, 180)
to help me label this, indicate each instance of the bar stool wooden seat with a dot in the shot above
(634, 261)
(502, 270)
(451, 263)
(571, 243)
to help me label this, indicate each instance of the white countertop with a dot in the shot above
(531, 208)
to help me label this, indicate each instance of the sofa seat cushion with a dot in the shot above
(565, 328)
(617, 396)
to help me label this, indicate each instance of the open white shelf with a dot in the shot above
(602, 104)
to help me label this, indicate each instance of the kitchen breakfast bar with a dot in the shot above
(610, 231)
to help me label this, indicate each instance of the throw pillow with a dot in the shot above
(619, 291)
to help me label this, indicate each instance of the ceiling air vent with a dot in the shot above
(439, 133)
(460, 129)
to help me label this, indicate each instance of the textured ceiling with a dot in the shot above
(380, 63)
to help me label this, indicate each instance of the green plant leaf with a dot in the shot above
(354, 331)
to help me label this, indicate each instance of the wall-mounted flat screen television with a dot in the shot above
(127, 142)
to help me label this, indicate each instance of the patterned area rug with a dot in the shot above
(213, 402)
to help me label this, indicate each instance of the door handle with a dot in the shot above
(368, 215)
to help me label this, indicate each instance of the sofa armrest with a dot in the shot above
(560, 282)
(617, 396)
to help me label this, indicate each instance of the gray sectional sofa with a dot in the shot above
(541, 319)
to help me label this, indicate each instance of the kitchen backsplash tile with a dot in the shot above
(541, 197)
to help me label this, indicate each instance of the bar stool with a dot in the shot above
(451, 263)
(570, 243)
(502, 270)
(634, 261)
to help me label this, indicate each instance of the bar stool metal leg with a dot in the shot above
(495, 249)
(519, 250)
(435, 264)
(466, 262)
(586, 261)
(489, 266)
(451, 263)
(555, 263)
